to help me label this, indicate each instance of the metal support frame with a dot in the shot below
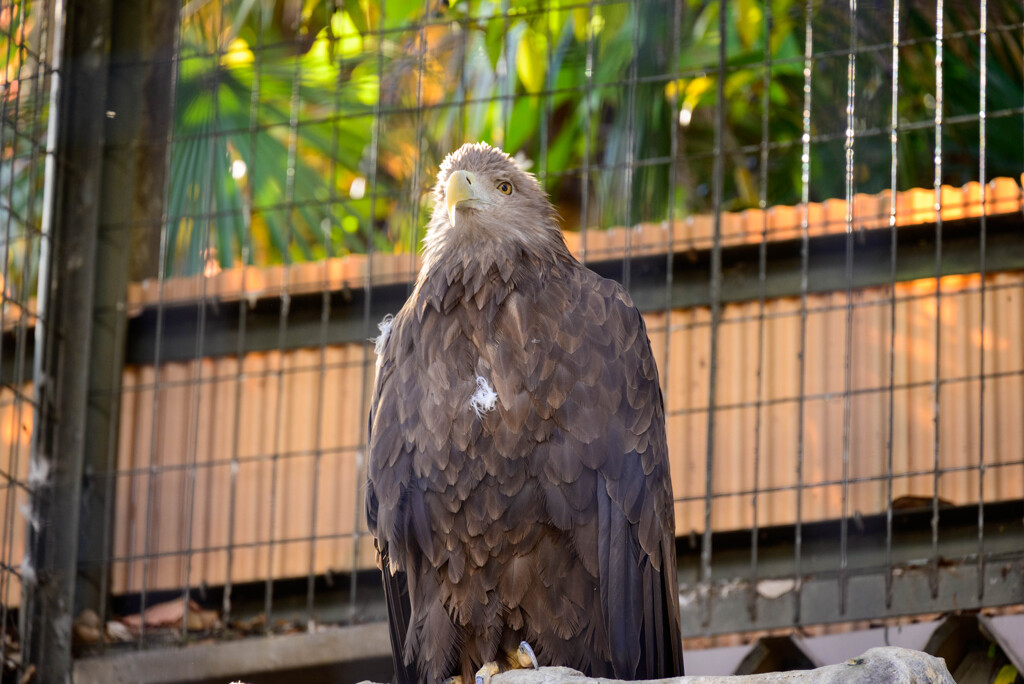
(134, 136)
(62, 364)
(690, 279)
(690, 274)
(80, 337)
(867, 570)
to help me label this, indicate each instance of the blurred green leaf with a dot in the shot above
(531, 59)
(294, 100)
(357, 15)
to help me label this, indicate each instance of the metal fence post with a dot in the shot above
(137, 113)
(64, 331)
(113, 112)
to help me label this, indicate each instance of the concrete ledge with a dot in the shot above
(239, 659)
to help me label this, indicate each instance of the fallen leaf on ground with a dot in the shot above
(172, 614)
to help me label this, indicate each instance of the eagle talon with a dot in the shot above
(526, 657)
(484, 674)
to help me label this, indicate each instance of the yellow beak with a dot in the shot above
(462, 188)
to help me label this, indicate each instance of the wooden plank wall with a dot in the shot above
(278, 440)
(282, 490)
(914, 457)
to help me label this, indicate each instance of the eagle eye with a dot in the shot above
(504, 187)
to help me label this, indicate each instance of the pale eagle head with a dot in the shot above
(483, 198)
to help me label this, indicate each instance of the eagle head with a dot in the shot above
(482, 196)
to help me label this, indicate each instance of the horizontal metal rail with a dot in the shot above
(690, 279)
(774, 591)
(690, 288)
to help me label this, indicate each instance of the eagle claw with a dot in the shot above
(526, 656)
(519, 659)
(484, 674)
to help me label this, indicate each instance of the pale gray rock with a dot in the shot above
(878, 666)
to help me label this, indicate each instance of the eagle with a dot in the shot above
(518, 478)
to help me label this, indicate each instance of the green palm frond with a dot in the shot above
(295, 101)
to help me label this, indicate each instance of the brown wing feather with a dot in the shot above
(631, 525)
(557, 497)
(548, 518)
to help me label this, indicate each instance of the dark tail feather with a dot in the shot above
(670, 614)
(396, 592)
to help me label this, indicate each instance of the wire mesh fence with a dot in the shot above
(815, 205)
(26, 34)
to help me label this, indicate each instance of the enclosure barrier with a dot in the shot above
(185, 358)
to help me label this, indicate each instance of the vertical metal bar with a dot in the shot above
(762, 279)
(46, 229)
(544, 105)
(851, 122)
(64, 337)
(321, 382)
(588, 92)
(716, 310)
(627, 259)
(113, 253)
(321, 393)
(670, 218)
(44, 340)
(109, 477)
(982, 267)
(207, 218)
(461, 124)
(893, 188)
(421, 67)
(241, 376)
(937, 382)
(282, 331)
(364, 385)
(121, 205)
(507, 87)
(805, 177)
(152, 469)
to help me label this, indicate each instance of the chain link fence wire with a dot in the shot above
(816, 206)
(26, 37)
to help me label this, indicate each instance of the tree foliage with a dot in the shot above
(304, 129)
